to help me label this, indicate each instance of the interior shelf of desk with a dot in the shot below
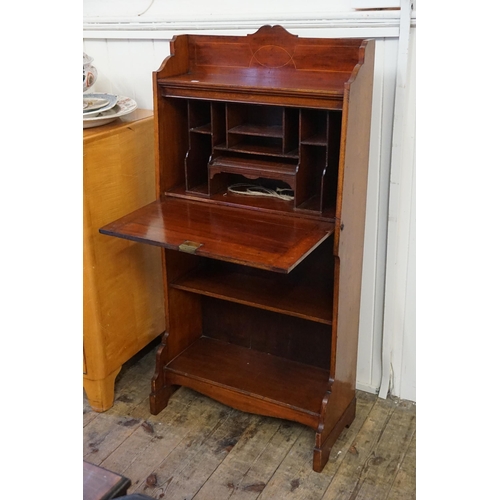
(285, 294)
(215, 367)
(273, 147)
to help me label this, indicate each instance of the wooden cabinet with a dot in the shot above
(123, 306)
(262, 156)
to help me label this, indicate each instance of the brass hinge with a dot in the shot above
(189, 246)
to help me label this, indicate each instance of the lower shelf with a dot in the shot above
(313, 303)
(251, 381)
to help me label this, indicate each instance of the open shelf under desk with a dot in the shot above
(313, 303)
(263, 383)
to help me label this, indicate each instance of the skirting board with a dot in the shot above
(367, 388)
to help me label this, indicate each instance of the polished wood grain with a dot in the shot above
(264, 291)
(262, 297)
(251, 380)
(266, 331)
(349, 233)
(270, 66)
(254, 239)
(171, 117)
(122, 285)
(327, 90)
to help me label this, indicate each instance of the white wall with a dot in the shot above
(129, 39)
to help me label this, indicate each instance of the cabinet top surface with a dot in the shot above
(271, 61)
(117, 125)
(267, 81)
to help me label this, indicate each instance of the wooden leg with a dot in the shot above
(160, 389)
(101, 393)
(322, 454)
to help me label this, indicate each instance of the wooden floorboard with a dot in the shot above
(199, 449)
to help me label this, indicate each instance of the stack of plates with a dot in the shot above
(100, 109)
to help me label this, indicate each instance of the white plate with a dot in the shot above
(124, 106)
(109, 101)
(91, 104)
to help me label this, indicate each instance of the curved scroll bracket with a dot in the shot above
(333, 419)
(160, 389)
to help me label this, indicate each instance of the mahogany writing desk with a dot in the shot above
(262, 293)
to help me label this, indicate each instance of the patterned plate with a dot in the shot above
(123, 106)
(98, 103)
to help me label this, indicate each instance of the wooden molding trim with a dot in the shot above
(346, 24)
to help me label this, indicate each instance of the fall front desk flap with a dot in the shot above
(251, 238)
